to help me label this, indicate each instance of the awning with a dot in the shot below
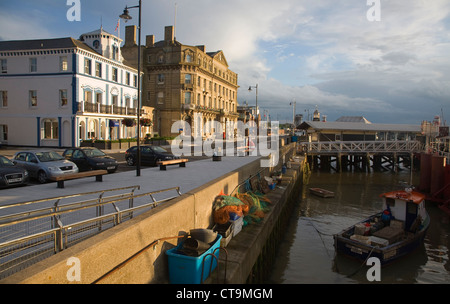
(113, 123)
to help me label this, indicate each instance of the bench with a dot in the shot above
(97, 173)
(163, 163)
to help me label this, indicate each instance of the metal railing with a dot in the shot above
(398, 146)
(27, 237)
(90, 107)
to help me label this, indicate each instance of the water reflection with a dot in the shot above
(307, 253)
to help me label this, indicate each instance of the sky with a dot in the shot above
(386, 60)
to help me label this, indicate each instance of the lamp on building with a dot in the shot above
(127, 17)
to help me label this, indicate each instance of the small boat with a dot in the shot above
(388, 235)
(321, 192)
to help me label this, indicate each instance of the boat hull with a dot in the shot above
(321, 192)
(388, 254)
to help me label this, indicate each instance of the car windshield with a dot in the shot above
(4, 162)
(159, 149)
(94, 152)
(48, 156)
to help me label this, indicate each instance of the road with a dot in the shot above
(119, 156)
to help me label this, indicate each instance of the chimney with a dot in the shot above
(130, 35)
(150, 40)
(168, 33)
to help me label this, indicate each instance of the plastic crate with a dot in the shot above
(185, 269)
(237, 225)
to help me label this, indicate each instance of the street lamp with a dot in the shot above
(127, 17)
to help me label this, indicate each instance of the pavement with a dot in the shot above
(195, 174)
(9, 151)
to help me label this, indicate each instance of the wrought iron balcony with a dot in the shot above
(89, 107)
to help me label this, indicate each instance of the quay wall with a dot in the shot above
(134, 251)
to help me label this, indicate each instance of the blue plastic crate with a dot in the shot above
(185, 269)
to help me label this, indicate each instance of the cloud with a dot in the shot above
(323, 53)
(16, 27)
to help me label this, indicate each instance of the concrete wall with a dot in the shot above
(122, 254)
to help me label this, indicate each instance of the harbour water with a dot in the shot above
(307, 255)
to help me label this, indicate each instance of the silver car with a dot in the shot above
(44, 164)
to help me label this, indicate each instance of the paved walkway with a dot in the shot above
(195, 174)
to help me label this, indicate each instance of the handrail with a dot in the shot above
(57, 211)
(363, 146)
(24, 216)
(65, 196)
(17, 251)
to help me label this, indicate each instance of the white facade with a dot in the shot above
(58, 92)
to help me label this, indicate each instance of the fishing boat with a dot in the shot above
(390, 234)
(321, 192)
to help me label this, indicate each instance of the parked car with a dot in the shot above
(44, 164)
(149, 155)
(11, 174)
(91, 158)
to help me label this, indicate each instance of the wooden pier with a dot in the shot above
(361, 155)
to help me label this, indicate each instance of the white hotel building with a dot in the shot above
(58, 92)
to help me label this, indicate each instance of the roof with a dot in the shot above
(98, 32)
(43, 44)
(162, 43)
(415, 197)
(360, 126)
(361, 119)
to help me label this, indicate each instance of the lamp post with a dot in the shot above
(127, 17)
(293, 116)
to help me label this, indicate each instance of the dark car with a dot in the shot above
(10, 174)
(149, 155)
(91, 158)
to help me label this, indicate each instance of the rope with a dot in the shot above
(364, 263)
(320, 235)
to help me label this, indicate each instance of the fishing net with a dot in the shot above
(224, 205)
(251, 205)
(250, 202)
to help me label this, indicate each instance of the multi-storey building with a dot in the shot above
(183, 82)
(58, 92)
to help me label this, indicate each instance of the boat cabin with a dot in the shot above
(406, 206)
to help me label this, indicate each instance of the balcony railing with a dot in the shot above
(90, 107)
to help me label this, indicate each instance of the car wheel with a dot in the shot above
(130, 161)
(42, 177)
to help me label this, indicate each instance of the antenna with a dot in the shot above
(175, 23)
